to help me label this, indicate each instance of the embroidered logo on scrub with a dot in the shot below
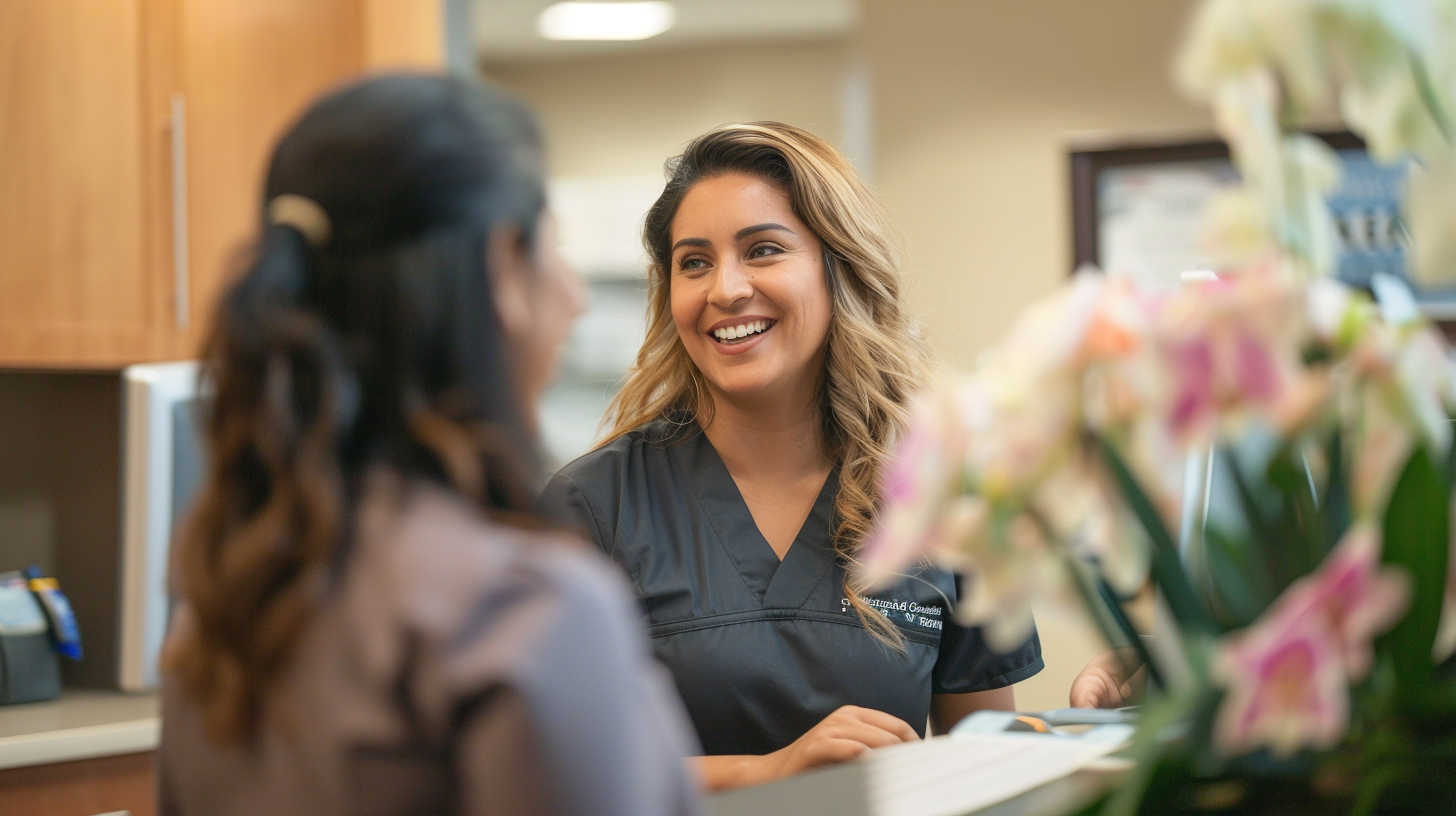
(912, 613)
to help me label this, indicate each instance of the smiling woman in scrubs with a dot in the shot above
(738, 480)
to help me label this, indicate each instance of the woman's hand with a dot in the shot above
(840, 737)
(1109, 680)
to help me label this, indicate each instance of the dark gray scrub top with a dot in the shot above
(761, 650)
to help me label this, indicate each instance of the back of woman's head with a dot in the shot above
(361, 335)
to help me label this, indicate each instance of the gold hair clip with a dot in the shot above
(303, 214)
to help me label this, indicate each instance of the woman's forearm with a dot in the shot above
(843, 735)
(719, 773)
(948, 709)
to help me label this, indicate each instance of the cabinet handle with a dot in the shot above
(181, 277)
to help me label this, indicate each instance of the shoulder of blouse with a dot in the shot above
(429, 553)
(434, 582)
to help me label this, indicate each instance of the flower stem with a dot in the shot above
(1119, 615)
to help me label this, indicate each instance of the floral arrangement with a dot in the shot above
(1306, 618)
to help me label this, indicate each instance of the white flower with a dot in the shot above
(1236, 229)
(1080, 505)
(1244, 108)
(1402, 390)
(1311, 173)
(1387, 51)
(1286, 180)
(921, 510)
(1231, 38)
(1389, 113)
(1007, 565)
(1337, 316)
(1424, 376)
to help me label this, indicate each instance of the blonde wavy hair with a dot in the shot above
(873, 359)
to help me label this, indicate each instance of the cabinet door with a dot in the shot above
(74, 279)
(250, 67)
(91, 210)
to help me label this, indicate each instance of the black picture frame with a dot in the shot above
(1087, 165)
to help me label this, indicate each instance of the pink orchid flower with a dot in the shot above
(919, 488)
(998, 438)
(1288, 675)
(1007, 567)
(1228, 347)
(1361, 598)
(1287, 689)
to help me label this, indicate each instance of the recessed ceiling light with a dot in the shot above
(605, 21)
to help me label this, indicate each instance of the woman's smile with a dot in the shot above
(739, 334)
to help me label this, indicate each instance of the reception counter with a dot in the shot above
(91, 752)
(88, 752)
(80, 725)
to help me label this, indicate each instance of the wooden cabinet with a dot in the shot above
(133, 140)
(74, 279)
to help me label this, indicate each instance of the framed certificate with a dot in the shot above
(1139, 209)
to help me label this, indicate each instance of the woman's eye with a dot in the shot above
(764, 250)
(692, 264)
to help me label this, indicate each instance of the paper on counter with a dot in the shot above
(950, 776)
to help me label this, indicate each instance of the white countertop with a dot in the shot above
(79, 725)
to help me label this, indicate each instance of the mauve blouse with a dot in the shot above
(458, 666)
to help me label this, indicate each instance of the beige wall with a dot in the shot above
(973, 101)
(624, 115)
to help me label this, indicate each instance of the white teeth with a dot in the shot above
(741, 330)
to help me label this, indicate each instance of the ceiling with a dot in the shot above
(505, 30)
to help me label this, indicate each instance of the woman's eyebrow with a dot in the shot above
(738, 236)
(696, 242)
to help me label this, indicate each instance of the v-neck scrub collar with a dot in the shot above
(762, 650)
(777, 583)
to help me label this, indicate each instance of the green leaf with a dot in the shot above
(1417, 530)
(1106, 611)
(1298, 529)
(1158, 718)
(1167, 566)
(1240, 584)
(1335, 511)
(1267, 536)
(1253, 513)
